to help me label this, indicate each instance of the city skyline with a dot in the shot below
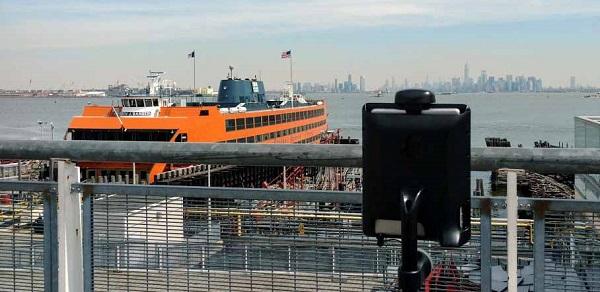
(483, 82)
(90, 45)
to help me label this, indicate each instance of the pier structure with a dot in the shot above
(179, 238)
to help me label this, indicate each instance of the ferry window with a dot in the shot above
(279, 134)
(230, 125)
(155, 102)
(284, 118)
(131, 102)
(125, 102)
(271, 120)
(258, 138)
(249, 123)
(148, 102)
(239, 124)
(272, 135)
(231, 141)
(265, 137)
(277, 119)
(204, 112)
(265, 120)
(286, 132)
(250, 139)
(241, 140)
(139, 102)
(257, 121)
(288, 117)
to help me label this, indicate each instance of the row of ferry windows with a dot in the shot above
(139, 102)
(278, 134)
(248, 123)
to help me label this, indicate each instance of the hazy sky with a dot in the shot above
(60, 44)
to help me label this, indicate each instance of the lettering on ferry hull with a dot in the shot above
(140, 112)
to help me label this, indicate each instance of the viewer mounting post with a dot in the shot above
(416, 171)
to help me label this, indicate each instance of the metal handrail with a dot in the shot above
(544, 160)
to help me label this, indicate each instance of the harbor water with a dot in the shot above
(521, 117)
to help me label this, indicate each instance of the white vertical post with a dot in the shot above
(511, 228)
(289, 258)
(333, 259)
(134, 178)
(70, 249)
(245, 257)
(208, 206)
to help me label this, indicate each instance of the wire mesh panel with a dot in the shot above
(21, 241)
(572, 247)
(179, 243)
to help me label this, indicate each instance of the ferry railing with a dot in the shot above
(142, 237)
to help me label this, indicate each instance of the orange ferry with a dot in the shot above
(241, 114)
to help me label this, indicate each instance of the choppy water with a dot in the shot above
(522, 118)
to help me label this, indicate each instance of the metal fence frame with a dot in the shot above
(543, 160)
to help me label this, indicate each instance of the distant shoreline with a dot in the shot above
(56, 96)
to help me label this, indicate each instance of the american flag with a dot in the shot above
(192, 54)
(286, 54)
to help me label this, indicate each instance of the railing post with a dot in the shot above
(539, 217)
(50, 242)
(512, 213)
(486, 243)
(87, 242)
(70, 251)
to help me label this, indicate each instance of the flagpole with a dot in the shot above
(194, 71)
(291, 82)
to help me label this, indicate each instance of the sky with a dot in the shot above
(80, 44)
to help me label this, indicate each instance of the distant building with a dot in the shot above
(572, 83)
(362, 87)
(482, 82)
(587, 135)
(509, 83)
(349, 83)
(335, 85)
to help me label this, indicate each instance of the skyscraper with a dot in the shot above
(466, 73)
(482, 80)
(509, 83)
(348, 86)
(362, 84)
(335, 85)
(573, 84)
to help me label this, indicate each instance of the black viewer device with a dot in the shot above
(416, 176)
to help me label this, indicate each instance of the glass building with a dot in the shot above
(587, 135)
